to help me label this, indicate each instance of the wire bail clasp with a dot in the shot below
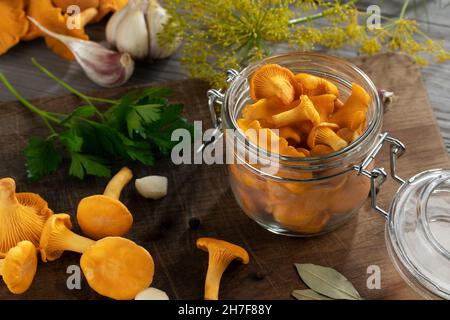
(215, 102)
(378, 175)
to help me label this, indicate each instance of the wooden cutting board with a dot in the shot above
(203, 192)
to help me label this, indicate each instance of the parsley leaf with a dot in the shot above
(42, 158)
(83, 164)
(139, 116)
(161, 131)
(71, 140)
(149, 112)
(80, 112)
(134, 123)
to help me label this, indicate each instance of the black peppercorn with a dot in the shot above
(166, 222)
(259, 275)
(154, 235)
(194, 223)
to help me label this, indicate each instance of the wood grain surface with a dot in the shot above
(202, 191)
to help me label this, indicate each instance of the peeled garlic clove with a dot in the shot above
(157, 16)
(152, 187)
(132, 34)
(152, 294)
(114, 21)
(105, 67)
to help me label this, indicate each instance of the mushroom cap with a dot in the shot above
(304, 111)
(19, 267)
(101, 216)
(107, 6)
(211, 244)
(320, 150)
(83, 4)
(117, 268)
(22, 216)
(56, 223)
(272, 80)
(313, 133)
(53, 19)
(313, 85)
(13, 24)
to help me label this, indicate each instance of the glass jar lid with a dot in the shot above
(418, 232)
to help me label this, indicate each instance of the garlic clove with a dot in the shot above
(132, 35)
(105, 67)
(115, 69)
(114, 21)
(157, 17)
(152, 187)
(152, 294)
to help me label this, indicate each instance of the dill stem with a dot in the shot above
(404, 7)
(318, 15)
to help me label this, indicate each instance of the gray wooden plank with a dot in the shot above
(433, 12)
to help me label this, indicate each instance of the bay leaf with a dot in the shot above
(308, 294)
(327, 281)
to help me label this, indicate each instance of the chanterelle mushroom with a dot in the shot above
(22, 216)
(55, 20)
(104, 215)
(13, 23)
(114, 267)
(19, 267)
(221, 253)
(117, 268)
(57, 238)
(82, 4)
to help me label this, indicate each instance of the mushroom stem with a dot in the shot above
(87, 15)
(7, 194)
(2, 261)
(214, 276)
(58, 237)
(117, 183)
(221, 253)
(70, 241)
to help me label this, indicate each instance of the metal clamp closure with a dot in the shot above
(378, 175)
(215, 99)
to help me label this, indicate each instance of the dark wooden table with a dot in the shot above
(31, 83)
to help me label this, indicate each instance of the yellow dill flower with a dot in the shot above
(223, 34)
(370, 46)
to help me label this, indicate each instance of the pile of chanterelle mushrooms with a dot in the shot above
(52, 14)
(114, 266)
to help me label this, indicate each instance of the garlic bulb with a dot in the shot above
(105, 67)
(135, 29)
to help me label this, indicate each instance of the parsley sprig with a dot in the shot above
(133, 129)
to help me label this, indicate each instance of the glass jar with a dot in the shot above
(306, 196)
(311, 196)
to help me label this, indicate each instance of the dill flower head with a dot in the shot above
(223, 34)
